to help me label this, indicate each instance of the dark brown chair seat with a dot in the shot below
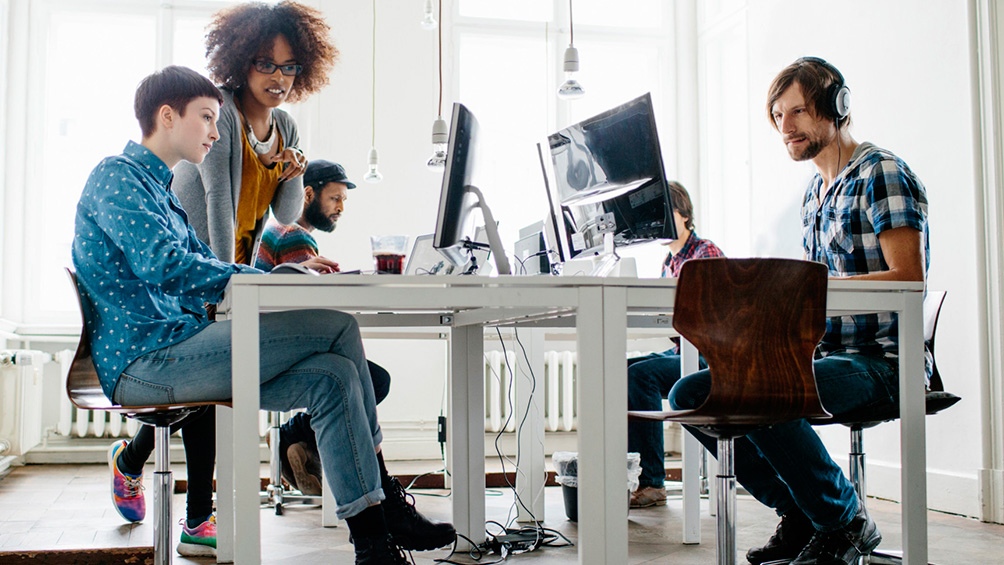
(757, 323)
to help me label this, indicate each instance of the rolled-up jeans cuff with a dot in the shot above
(349, 510)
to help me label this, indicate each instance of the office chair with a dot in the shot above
(84, 390)
(757, 323)
(936, 400)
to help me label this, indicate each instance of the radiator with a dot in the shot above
(21, 399)
(77, 423)
(557, 384)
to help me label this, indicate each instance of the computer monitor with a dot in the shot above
(459, 199)
(605, 175)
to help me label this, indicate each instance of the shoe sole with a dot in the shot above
(650, 504)
(408, 545)
(196, 550)
(307, 483)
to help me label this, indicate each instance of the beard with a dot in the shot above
(813, 148)
(316, 217)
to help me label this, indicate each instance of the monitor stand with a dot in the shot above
(494, 241)
(605, 264)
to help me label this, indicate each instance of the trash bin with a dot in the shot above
(566, 467)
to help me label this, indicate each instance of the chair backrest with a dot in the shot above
(82, 384)
(757, 323)
(932, 310)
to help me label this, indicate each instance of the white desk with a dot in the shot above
(600, 308)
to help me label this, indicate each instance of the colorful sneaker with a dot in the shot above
(199, 541)
(127, 489)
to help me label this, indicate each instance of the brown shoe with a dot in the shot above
(648, 496)
(299, 462)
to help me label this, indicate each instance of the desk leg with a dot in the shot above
(246, 403)
(530, 472)
(912, 429)
(225, 536)
(467, 431)
(601, 325)
(692, 453)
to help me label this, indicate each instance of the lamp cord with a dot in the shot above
(373, 89)
(440, 113)
(571, 25)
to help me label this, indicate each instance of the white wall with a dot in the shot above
(907, 65)
(335, 124)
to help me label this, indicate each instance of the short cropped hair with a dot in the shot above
(815, 79)
(240, 33)
(175, 86)
(681, 202)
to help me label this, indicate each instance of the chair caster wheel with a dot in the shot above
(278, 509)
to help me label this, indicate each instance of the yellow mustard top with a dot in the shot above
(258, 185)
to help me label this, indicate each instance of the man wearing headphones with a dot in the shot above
(864, 215)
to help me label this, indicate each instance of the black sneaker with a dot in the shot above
(379, 551)
(843, 546)
(411, 530)
(791, 535)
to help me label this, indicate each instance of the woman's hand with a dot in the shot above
(295, 163)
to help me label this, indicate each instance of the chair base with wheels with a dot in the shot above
(84, 391)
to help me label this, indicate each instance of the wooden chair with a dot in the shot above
(757, 323)
(936, 400)
(84, 390)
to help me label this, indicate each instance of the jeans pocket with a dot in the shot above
(131, 391)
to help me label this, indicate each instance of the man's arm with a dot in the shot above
(903, 250)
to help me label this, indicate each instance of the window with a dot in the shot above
(88, 57)
(518, 48)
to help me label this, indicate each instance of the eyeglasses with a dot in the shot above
(268, 67)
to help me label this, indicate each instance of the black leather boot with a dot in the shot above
(411, 530)
(378, 551)
(791, 535)
(843, 546)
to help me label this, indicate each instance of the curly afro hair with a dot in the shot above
(240, 33)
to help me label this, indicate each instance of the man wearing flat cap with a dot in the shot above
(325, 191)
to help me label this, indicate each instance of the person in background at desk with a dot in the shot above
(325, 189)
(864, 215)
(144, 276)
(652, 376)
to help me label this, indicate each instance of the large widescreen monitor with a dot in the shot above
(605, 175)
(459, 199)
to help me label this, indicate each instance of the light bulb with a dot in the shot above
(373, 175)
(571, 89)
(440, 138)
(429, 21)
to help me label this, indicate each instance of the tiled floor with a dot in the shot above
(67, 506)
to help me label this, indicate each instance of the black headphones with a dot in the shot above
(838, 96)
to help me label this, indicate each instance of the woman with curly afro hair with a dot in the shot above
(261, 55)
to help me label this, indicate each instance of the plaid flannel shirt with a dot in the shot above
(875, 192)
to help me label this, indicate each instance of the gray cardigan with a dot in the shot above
(209, 192)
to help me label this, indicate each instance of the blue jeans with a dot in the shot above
(786, 466)
(650, 378)
(310, 359)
